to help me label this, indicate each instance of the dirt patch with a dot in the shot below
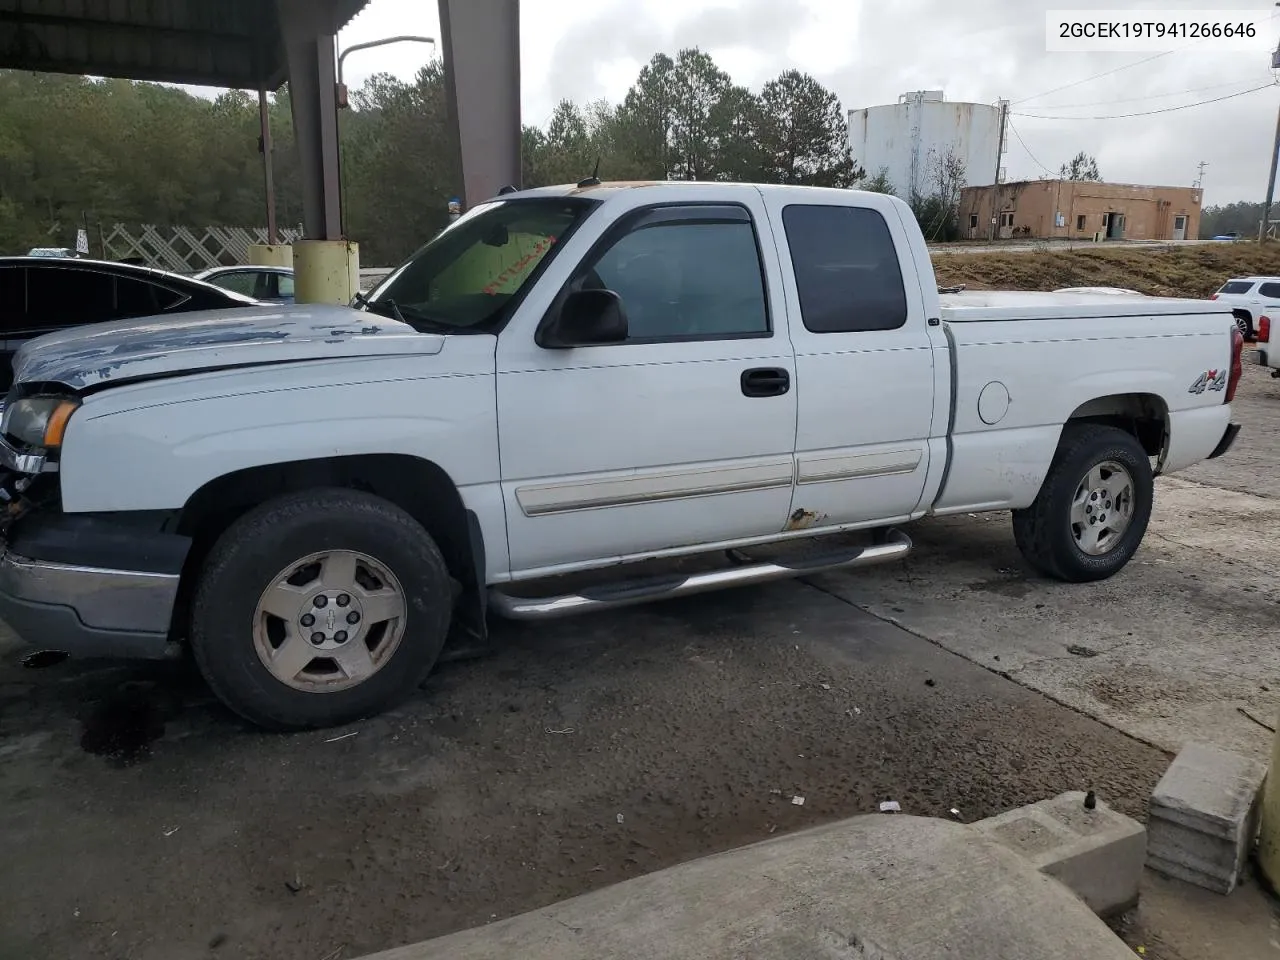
(1195, 271)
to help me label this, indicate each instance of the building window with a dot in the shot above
(973, 221)
(1080, 222)
(1006, 219)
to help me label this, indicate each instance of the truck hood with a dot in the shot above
(131, 350)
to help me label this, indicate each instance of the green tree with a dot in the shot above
(1240, 218)
(647, 117)
(1080, 167)
(803, 134)
(880, 183)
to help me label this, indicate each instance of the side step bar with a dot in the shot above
(626, 593)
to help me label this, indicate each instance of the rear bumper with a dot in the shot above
(1228, 438)
(90, 587)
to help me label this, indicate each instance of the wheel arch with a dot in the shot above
(1143, 415)
(420, 487)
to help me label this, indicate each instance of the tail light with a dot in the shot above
(1237, 364)
(1264, 330)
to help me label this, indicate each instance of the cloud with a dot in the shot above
(870, 51)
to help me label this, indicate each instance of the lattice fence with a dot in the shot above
(187, 249)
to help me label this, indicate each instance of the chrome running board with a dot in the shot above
(895, 546)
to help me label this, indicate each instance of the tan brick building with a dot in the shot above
(1079, 210)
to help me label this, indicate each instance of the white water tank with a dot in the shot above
(909, 138)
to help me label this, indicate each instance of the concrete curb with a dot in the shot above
(1097, 853)
(878, 887)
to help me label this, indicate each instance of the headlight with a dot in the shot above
(38, 421)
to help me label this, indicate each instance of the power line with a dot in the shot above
(1127, 66)
(1148, 113)
(1028, 149)
(1096, 76)
(1148, 96)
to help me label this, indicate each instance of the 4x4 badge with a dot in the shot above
(1209, 380)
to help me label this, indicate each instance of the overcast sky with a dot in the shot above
(870, 51)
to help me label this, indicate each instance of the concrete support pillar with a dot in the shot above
(270, 255)
(310, 28)
(482, 73)
(1269, 832)
(325, 271)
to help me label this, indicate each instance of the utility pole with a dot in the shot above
(1199, 184)
(1271, 179)
(995, 181)
(1275, 154)
(264, 145)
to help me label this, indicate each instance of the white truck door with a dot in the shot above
(683, 434)
(864, 358)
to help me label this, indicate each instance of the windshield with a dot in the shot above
(466, 277)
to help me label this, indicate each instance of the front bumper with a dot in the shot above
(1228, 438)
(91, 587)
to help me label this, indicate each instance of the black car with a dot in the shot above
(40, 295)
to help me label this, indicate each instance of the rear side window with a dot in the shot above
(285, 285)
(1236, 286)
(1270, 290)
(846, 267)
(244, 282)
(135, 298)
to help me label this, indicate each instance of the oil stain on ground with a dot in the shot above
(123, 725)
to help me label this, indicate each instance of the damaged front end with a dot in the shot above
(100, 585)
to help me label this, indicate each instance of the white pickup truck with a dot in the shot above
(569, 380)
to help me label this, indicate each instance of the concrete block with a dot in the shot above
(1097, 854)
(1204, 817)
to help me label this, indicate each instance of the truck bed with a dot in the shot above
(979, 305)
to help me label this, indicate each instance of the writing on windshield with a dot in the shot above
(467, 275)
(512, 276)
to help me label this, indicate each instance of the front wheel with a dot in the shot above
(1092, 511)
(319, 608)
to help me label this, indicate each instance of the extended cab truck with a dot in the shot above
(566, 380)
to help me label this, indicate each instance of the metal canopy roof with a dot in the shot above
(217, 43)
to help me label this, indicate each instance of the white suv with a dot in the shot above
(1245, 296)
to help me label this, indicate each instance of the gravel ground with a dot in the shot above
(142, 822)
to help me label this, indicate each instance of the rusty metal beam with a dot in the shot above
(482, 74)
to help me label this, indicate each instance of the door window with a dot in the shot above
(284, 286)
(59, 298)
(1270, 290)
(686, 279)
(846, 267)
(13, 298)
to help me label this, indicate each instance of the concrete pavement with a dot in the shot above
(868, 888)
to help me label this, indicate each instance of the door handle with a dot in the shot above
(765, 382)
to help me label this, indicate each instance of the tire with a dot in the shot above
(399, 598)
(1246, 325)
(1045, 531)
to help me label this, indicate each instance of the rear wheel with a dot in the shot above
(1092, 511)
(1245, 323)
(319, 608)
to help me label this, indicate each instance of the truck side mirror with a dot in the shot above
(586, 318)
